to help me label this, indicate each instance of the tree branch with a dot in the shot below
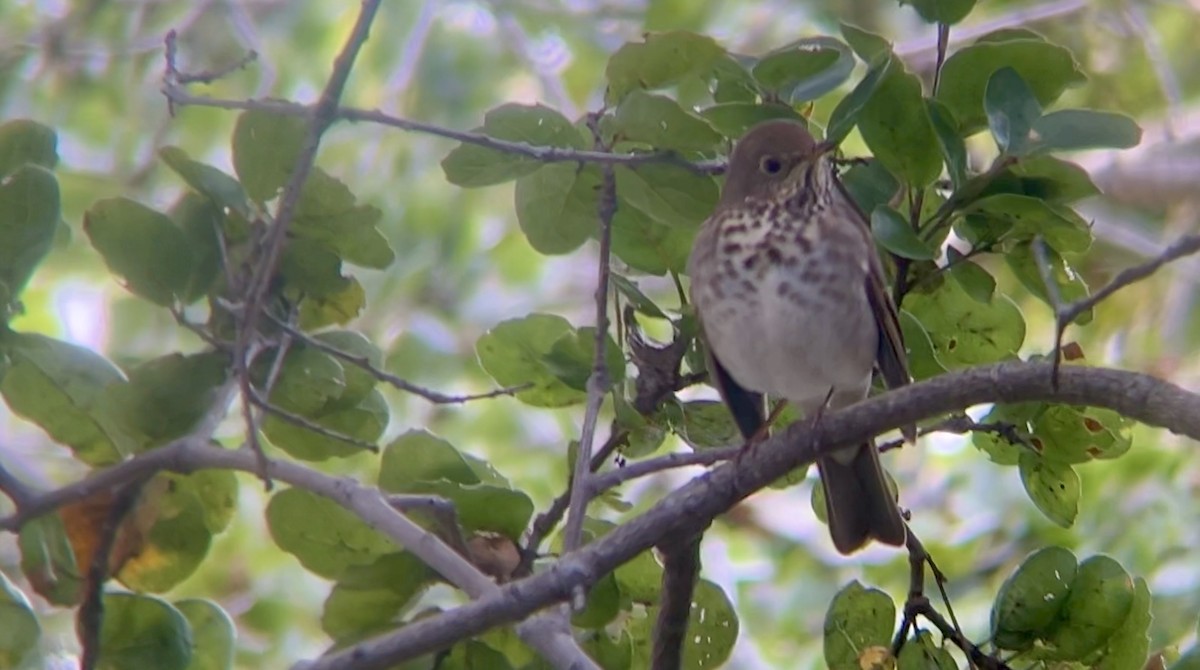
(691, 508)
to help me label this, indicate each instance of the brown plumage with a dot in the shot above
(792, 304)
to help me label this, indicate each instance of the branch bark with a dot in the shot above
(692, 507)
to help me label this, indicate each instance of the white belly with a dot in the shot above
(791, 350)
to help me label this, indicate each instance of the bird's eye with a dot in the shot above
(770, 165)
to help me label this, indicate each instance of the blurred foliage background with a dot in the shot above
(92, 70)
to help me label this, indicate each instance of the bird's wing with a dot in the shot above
(746, 406)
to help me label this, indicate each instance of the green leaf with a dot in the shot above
(213, 635)
(845, 116)
(201, 220)
(1053, 487)
(483, 507)
(1066, 434)
(706, 424)
(176, 543)
(48, 560)
(23, 141)
(471, 654)
(857, 620)
(1075, 129)
(667, 194)
(1031, 598)
(1101, 599)
(327, 212)
(29, 219)
(1071, 287)
(660, 122)
(1048, 69)
(629, 289)
(731, 82)
(266, 147)
(364, 422)
(572, 355)
(712, 628)
(895, 125)
(996, 446)
(19, 627)
(1051, 179)
(418, 456)
(207, 180)
(310, 268)
(868, 46)
(660, 60)
(324, 536)
(164, 398)
(60, 386)
(805, 69)
(471, 165)
(894, 233)
(358, 382)
(977, 282)
(601, 605)
(965, 331)
(733, 119)
(647, 246)
(869, 184)
(947, 12)
(557, 207)
(308, 380)
(923, 654)
(338, 307)
(143, 246)
(143, 632)
(367, 597)
(954, 150)
(922, 361)
(514, 352)
(1019, 218)
(1128, 646)
(1012, 110)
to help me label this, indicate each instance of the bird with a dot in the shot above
(792, 304)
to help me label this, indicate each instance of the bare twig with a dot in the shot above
(546, 521)
(302, 422)
(640, 469)
(403, 384)
(204, 76)
(681, 569)
(960, 424)
(598, 380)
(1064, 314)
(545, 154)
(90, 617)
(17, 491)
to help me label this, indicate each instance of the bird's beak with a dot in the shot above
(823, 148)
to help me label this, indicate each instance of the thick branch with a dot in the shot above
(692, 507)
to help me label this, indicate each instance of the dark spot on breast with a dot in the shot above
(735, 228)
(750, 261)
(783, 289)
(774, 255)
(731, 248)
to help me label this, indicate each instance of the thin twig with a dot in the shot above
(320, 116)
(961, 424)
(90, 617)
(546, 521)
(1135, 18)
(681, 569)
(296, 420)
(639, 469)
(545, 154)
(598, 380)
(365, 364)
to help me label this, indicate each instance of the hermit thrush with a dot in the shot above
(792, 304)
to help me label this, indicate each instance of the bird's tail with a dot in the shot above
(858, 503)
